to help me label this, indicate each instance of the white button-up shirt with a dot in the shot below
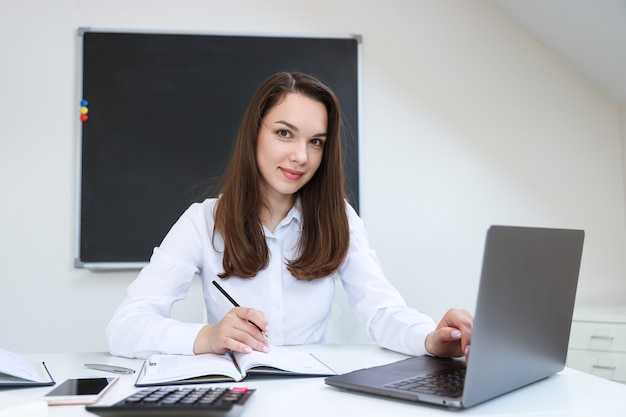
(298, 311)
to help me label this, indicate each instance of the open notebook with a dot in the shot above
(195, 369)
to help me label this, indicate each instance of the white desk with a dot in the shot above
(569, 393)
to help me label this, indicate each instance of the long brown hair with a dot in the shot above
(325, 235)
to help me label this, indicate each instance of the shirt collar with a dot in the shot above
(296, 213)
(293, 215)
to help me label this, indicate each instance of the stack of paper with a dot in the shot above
(17, 371)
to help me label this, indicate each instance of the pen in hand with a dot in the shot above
(223, 291)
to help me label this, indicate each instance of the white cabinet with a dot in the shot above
(598, 342)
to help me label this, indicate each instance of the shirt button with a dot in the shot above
(277, 307)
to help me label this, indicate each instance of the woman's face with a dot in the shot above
(290, 144)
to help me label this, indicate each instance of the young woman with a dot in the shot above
(278, 233)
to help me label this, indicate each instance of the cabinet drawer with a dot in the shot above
(607, 365)
(598, 336)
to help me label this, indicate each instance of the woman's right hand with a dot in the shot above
(237, 332)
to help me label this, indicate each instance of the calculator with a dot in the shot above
(178, 402)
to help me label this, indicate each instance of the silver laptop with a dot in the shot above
(521, 325)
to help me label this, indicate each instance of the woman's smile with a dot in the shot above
(291, 174)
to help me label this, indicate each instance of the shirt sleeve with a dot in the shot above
(375, 302)
(142, 325)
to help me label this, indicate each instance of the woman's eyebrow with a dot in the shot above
(289, 125)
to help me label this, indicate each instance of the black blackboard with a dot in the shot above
(162, 111)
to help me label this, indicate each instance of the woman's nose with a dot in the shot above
(299, 152)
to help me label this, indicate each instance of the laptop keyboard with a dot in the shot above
(448, 383)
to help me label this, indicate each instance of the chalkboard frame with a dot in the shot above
(108, 188)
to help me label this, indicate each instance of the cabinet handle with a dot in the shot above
(603, 337)
(610, 367)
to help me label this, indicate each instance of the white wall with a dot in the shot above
(466, 121)
(623, 142)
